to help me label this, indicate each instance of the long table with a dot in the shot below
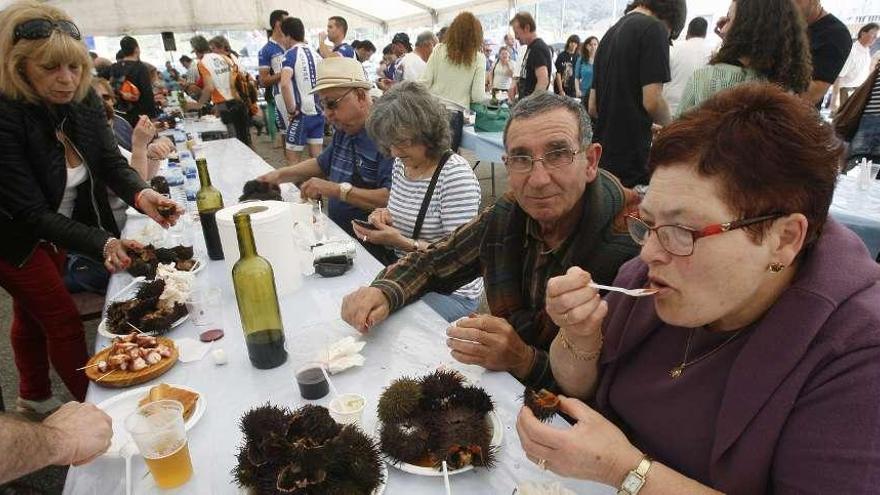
(859, 210)
(412, 341)
(488, 146)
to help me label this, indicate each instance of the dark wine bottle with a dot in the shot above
(209, 201)
(254, 284)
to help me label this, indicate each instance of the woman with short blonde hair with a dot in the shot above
(59, 156)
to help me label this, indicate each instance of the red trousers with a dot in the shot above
(45, 325)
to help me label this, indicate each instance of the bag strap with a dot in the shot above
(417, 229)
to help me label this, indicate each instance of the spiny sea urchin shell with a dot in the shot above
(357, 458)
(543, 403)
(312, 422)
(439, 387)
(399, 400)
(406, 441)
(260, 421)
(473, 398)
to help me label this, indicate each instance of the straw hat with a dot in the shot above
(340, 72)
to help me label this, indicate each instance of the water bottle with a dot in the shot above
(191, 188)
(176, 180)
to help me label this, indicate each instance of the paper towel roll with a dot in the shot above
(273, 235)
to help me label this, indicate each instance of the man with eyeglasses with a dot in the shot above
(562, 211)
(350, 172)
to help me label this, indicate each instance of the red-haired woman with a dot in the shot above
(756, 366)
(456, 71)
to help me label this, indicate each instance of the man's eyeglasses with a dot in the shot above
(36, 29)
(334, 103)
(679, 240)
(552, 160)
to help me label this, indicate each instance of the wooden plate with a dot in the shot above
(122, 379)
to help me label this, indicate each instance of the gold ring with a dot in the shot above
(108, 259)
(542, 463)
(565, 317)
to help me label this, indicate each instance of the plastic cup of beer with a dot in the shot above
(157, 429)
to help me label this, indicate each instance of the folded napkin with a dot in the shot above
(532, 488)
(342, 354)
(191, 349)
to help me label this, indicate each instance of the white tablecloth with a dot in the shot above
(488, 146)
(410, 342)
(859, 210)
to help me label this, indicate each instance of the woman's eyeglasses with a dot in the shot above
(679, 240)
(37, 29)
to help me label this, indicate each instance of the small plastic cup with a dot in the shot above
(158, 431)
(311, 381)
(348, 409)
(204, 306)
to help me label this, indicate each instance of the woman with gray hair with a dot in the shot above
(433, 190)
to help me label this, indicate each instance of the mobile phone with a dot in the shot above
(365, 224)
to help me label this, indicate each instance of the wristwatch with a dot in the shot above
(344, 189)
(636, 478)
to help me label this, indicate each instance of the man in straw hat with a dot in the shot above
(350, 172)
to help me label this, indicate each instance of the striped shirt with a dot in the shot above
(303, 61)
(706, 81)
(873, 105)
(455, 202)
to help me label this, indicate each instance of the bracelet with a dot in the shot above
(137, 196)
(578, 353)
(106, 246)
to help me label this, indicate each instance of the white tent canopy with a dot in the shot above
(112, 17)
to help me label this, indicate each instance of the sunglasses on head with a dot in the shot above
(37, 29)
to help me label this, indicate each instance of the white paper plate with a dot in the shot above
(199, 266)
(102, 327)
(381, 488)
(122, 405)
(497, 435)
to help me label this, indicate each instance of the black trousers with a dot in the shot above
(234, 113)
(456, 126)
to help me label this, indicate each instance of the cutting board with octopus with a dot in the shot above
(121, 378)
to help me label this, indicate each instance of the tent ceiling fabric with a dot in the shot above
(114, 17)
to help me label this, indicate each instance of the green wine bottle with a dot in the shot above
(254, 284)
(209, 201)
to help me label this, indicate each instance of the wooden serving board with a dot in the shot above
(122, 379)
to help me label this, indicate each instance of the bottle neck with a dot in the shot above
(246, 245)
(204, 175)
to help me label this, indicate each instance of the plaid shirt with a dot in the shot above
(504, 246)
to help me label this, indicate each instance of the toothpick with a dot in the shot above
(136, 328)
(89, 366)
(446, 478)
(104, 375)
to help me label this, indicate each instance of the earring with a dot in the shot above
(775, 267)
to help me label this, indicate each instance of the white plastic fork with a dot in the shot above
(629, 292)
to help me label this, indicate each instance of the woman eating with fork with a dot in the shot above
(755, 368)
